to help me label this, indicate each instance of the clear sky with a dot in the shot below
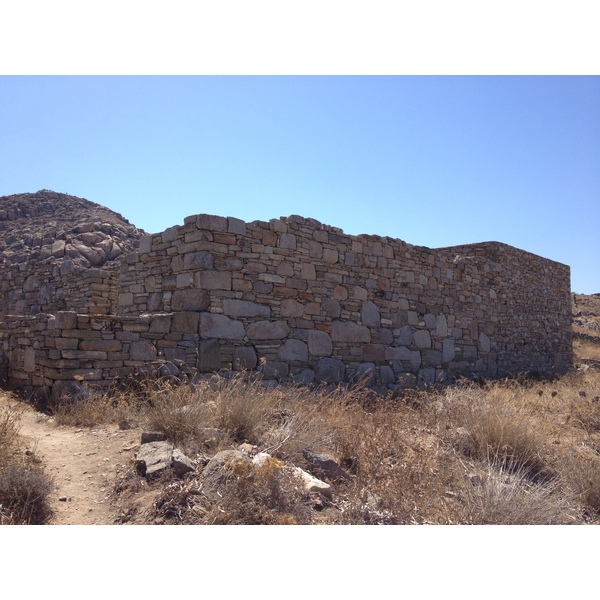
(433, 160)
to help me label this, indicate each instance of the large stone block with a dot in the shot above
(209, 356)
(142, 350)
(213, 280)
(220, 326)
(319, 343)
(331, 308)
(291, 308)
(244, 358)
(422, 338)
(268, 330)
(369, 314)
(190, 300)
(330, 370)
(66, 320)
(185, 322)
(198, 260)
(293, 351)
(245, 308)
(346, 331)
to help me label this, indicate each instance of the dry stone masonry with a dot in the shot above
(296, 300)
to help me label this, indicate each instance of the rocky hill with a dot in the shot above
(48, 226)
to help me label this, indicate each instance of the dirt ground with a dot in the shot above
(83, 463)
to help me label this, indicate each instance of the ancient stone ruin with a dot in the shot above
(291, 299)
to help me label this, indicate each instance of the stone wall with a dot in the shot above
(297, 300)
(51, 355)
(30, 288)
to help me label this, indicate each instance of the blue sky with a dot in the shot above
(433, 160)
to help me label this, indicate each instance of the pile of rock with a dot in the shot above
(51, 227)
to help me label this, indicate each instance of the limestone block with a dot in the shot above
(469, 353)
(315, 249)
(220, 326)
(245, 308)
(422, 338)
(287, 240)
(330, 256)
(484, 342)
(142, 350)
(198, 260)
(213, 280)
(430, 321)
(291, 308)
(374, 353)
(346, 331)
(145, 244)
(273, 369)
(170, 234)
(209, 356)
(293, 351)
(431, 358)
(236, 226)
(285, 269)
(66, 320)
(271, 278)
(369, 314)
(305, 377)
(190, 300)
(404, 336)
(331, 308)
(441, 326)
(29, 360)
(184, 322)
(268, 330)
(307, 271)
(319, 343)
(365, 373)
(244, 358)
(125, 299)
(330, 370)
(211, 223)
(101, 345)
(161, 324)
(448, 350)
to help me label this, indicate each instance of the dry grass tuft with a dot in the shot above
(24, 487)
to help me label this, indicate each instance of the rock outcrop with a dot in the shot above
(51, 227)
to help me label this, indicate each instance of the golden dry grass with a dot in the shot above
(504, 452)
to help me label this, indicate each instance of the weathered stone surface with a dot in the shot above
(209, 356)
(216, 473)
(268, 330)
(293, 351)
(153, 458)
(274, 369)
(484, 342)
(244, 308)
(220, 326)
(181, 464)
(213, 280)
(346, 331)
(312, 484)
(369, 314)
(291, 308)
(66, 320)
(422, 338)
(448, 351)
(244, 358)
(319, 343)
(142, 350)
(198, 260)
(330, 370)
(331, 308)
(184, 322)
(190, 300)
(305, 377)
(323, 465)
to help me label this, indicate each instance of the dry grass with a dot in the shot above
(24, 486)
(505, 452)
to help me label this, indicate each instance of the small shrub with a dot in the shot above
(504, 496)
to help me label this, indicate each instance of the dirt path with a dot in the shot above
(84, 464)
